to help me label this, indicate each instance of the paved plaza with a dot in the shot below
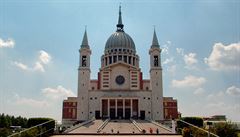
(118, 128)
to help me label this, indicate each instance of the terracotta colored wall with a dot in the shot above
(69, 110)
(172, 110)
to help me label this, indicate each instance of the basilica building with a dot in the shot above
(119, 92)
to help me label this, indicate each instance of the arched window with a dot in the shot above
(84, 61)
(155, 61)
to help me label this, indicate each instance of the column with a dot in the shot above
(123, 108)
(101, 108)
(115, 107)
(131, 107)
(138, 108)
(109, 108)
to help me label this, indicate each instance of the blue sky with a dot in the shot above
(39, 42)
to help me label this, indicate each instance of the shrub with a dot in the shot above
(197, 121)
(225, 129)
(45, 127)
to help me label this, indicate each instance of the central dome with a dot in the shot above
(120, 40)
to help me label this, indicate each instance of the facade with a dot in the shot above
(170, 108)
(120, 92)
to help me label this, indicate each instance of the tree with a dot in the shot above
(225, 129)
(4, 132)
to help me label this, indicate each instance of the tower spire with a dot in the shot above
(155, 39)
(85, 39)
(120, 25)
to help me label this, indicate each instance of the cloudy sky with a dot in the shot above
(39, 42)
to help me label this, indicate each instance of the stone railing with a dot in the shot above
(136, 125)
(78, 125)
(160, 125)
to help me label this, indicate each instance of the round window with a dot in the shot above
(120, 80)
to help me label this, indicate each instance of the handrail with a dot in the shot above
(199, 128)
(103, 125)
(136, 125)
(160, 125)
(39, 125)
(78, 125)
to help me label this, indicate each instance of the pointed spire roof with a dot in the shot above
(85, 40)
(120, 25)
(155, 40)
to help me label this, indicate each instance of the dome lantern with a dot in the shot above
(120, 25)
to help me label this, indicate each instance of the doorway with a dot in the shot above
(142, 115)
(112, 113)
(127, 113)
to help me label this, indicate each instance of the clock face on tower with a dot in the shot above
(120, 80)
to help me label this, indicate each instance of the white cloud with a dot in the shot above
(9, 43)
(44, 57)
(168, 60)
(165, 47)
(189, 81)
(224, 57)
(190, 59)
(20, 65)
(169, 42)
(57, 93)
(199, 91)
(38, 67)
(180, 51)
(233, 91)
(172, 69)
(215, 96)
(30, 102)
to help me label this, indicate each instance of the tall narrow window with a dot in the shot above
(110, 59)
(114, 59)
(155, 61)
(84, 61)
(129, 60)
(120, 57)
(133, 61)
(106, 61)
(125, 59)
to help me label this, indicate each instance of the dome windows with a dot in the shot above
(123, 58)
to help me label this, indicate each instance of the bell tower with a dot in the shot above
(156, 79)
(83, 79)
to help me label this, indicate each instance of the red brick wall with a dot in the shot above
(171, 108)
(69, 110)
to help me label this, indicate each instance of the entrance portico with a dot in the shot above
(119, 108)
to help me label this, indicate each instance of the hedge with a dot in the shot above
(197, 121)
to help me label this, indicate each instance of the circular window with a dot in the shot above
(120, 80)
